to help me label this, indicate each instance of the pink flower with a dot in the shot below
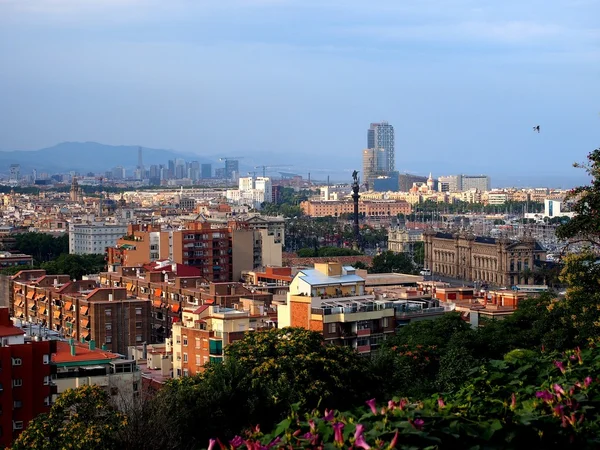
(371, 404)
(392, 405)
(312, 425)
(513, 402)
(441, 403)
(338, 427)
(328, 415)
(560, 366)
(418, 424)
(558, 410)
(274, 442)
(394, 440)
(544, 395)
(236, 442)
(211, 444)
(402, 404)
(359, 439)
(558, 389)
(587, 381)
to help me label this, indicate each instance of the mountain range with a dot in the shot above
(85, 157)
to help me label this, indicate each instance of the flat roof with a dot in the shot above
(386, 279)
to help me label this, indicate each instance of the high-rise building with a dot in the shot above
(479, 182)
(232, 168)
(206, 171)
(369, 166)
(15, 173)
(380, 137)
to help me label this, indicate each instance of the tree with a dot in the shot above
(80, 419)
(585, 225)
(42, 246)
(389, 261)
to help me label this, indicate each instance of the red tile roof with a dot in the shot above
(201, 309)
(6, 331)
(82, 353)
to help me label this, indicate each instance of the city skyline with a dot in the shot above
(463, 85)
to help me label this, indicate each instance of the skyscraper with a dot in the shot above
(380, 137)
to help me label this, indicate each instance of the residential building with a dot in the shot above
(380, 137)
(366, 207)
(94, 237)
(232, 168)
(495, 261)
(204, 332)
(80, 365)
(26, 387)
(479, 182)
(206, 171)
(81, 310)
(452, 183)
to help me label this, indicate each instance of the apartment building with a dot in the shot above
(81, 309)
(79, 364)
(8, 259)
(171, 287)
(26, 387)
(206, 331)
(369, 208)
(94, 237)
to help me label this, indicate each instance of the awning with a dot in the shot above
(157, 303)
(57, 314)
(175, 319)
(85, 323)
(43, 310)
(175, 307)
(30, 295)
(210, 301)
(74, 334)
(83, 310)
(39, 296)
(133, 288)
(68, 318)
(21, 302)
(87, 336)
(157, 292)
(129, 286)
(68, 306)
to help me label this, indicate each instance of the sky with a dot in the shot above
(279, 81)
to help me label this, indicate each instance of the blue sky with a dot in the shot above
(462, 81)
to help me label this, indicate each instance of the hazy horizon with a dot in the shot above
(462, 82)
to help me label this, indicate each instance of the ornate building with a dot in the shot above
(76, 193)
(465, 256)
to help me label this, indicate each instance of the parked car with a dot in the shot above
(425, 272)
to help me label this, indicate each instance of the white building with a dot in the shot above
(252, 192)
(94, 237)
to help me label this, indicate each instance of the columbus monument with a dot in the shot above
(355, 197)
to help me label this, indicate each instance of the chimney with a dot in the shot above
(92, 344)
(73, 352)
(104, 347)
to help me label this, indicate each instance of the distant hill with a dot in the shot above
(88, 157)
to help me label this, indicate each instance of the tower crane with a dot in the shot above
(264, 168)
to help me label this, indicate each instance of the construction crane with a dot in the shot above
(253, 174)
(264, 168)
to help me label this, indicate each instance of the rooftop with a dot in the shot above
(83, 354)
(317, 278)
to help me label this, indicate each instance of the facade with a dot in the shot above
(380, 137)
(369, 165)
(232, 168)
(8, 259)
(401, 240)
(81, 310)
(367, 207)
(407, 180)
(479, 182)
(94, 237)
(26, 387)
(80, 364)
(387, 183)
(206, 171)
(252, 192)
(204, 333)
(451, 183)
(495, 261)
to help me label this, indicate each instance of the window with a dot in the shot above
(362, 341)
(108, 339)
(17, 424)
(178, 339)
(108, 326)
(17, 361)
(47, 401)
(108, 311)
(46, 359)
(198, 363)
(332, 328)
(185, 340)
(186, 372)
(17, 404)
(138, 324)
(17, 382)
(135, 386)
(138, 338)
(138, 311)
(197, 342)
(185, 357)
(46, 380)
(385, 322)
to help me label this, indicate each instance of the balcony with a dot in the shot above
(364, 348)
(363, 332)
(353, 311)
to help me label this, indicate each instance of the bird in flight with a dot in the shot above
(536, 128)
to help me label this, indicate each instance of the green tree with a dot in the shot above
(389, 261)
(42, 246)
(79, 419)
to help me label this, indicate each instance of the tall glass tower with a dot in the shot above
(380, 137)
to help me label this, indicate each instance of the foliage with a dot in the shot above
(389, 261)
(327, 251)
(79, 419)
(418, 253)
(585, 225)
(526, 400)
(42, 246)
(75, 265)
(288, 205)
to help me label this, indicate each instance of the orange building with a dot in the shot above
(369, 208)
